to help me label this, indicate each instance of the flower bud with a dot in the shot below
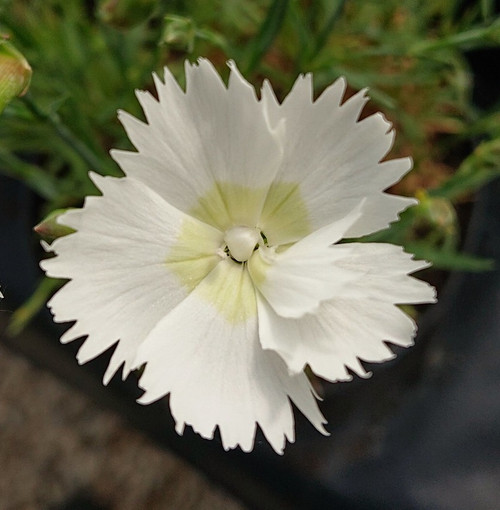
(125, 13)
(179, 32)
(15, 73)
(436, 220)
(49, 229)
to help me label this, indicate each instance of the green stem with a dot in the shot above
(38, 180)
(268, 31)
(325, 32)
(53, 119)
(25, 313)
(477, 36)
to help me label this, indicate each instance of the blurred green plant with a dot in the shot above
(124, 13)
(182, 33)
(89, 56)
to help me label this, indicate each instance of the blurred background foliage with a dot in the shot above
(88, 57)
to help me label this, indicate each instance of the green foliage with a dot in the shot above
(481, 166)
(269, 30)
(88, 57)
(25, 313)
(83, 71)
(430, 230)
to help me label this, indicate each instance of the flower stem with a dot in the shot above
(38, 180)
(268, 31)
(26, 312)
(65, 134)
(328, 27)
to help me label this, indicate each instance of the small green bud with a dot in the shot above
(15, 73)
(436, 220)
(437, 210)
(179, 32)
(125, 13)
(49, 229)
(182, 33)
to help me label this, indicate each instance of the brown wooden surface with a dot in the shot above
(55, 445)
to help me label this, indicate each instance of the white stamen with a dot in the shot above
(241, 242)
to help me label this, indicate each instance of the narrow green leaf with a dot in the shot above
(330, 22)
(26, 312)
(481, 166)
(268, 31)
(487, 9)
(468, 39)
(32, 175)
(77, 145)
(449, 260)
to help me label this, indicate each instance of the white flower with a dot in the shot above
(212, 260)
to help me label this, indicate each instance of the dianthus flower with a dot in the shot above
(215, 264)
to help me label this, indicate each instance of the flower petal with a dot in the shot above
(355, 324)
(336, 337)
(123, 264)
(297, 280)
(217, 374)
(334, 158)
(197, 144)
(385, 269)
